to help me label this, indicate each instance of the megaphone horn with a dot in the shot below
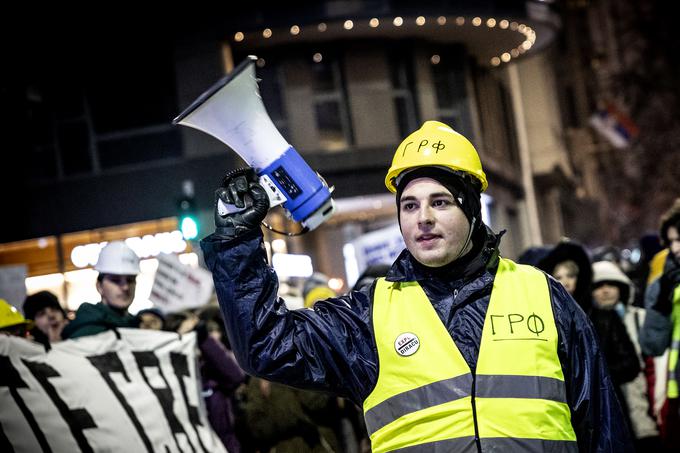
(232, 111)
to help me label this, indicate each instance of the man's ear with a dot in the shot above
(99, 287)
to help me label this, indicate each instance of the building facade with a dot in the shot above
(344, 82)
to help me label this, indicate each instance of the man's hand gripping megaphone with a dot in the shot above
(239, 188)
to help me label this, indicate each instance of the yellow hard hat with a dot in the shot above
(317, 294)
(10, 316)
(436, 144)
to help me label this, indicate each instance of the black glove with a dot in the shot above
(235, 186)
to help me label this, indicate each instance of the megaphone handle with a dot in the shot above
(223, 208)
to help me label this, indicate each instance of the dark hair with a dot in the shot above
(670, 218)
(153, 311)
(39, 301)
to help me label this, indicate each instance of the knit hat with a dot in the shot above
(39, 301)
(464, 190)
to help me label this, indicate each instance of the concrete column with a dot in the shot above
(534, 228)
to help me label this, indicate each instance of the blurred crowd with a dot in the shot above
(632, 300)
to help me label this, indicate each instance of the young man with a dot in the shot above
(456, 349)
(118, 267)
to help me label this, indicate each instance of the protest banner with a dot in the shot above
(128, 390)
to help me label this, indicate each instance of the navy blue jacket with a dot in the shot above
(332, 347)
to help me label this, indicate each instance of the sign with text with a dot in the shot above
(177, 286)
(120, 391)
(12, 284)
(378, 247)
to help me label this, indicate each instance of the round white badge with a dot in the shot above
(407, 344)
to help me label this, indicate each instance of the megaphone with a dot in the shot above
(232, 111)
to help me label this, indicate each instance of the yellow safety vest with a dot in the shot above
(673, 363)
(427, 399)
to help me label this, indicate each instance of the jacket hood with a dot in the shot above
(606, 271)
(569, 250)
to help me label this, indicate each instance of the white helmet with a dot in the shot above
(118, 259)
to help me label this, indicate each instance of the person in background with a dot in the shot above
(649, 246)
(428, 350)
(118, 267)
(661, 329)
(282, 419)
(569, 263)
(12, 323)
(220, 373)
(613, 292)
(151, 318)
(48, 316)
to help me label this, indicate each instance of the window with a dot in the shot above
(401, 78)
(330, 102)
(270, 85)
(448, 72)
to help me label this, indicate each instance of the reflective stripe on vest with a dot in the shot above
(423, 401)
(673, 363)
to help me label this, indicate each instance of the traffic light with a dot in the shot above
(188, 223)
(188, 218)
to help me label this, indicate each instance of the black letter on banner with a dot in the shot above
(181, 367)
(10, 377)
(76, 419)
(521, 318)
(110, 363)
(146, 359)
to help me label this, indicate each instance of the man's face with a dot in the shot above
(118, 291)
(434, 227)
(674, 241)
(49, 319)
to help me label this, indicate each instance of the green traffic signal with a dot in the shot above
(189, 227)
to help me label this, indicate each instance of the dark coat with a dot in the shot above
(221, 375)
(332, 347)
(288, 420)
(92, 319)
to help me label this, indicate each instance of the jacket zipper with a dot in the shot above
(472, 399)
(474, 411)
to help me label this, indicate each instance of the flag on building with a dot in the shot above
(615, 126)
